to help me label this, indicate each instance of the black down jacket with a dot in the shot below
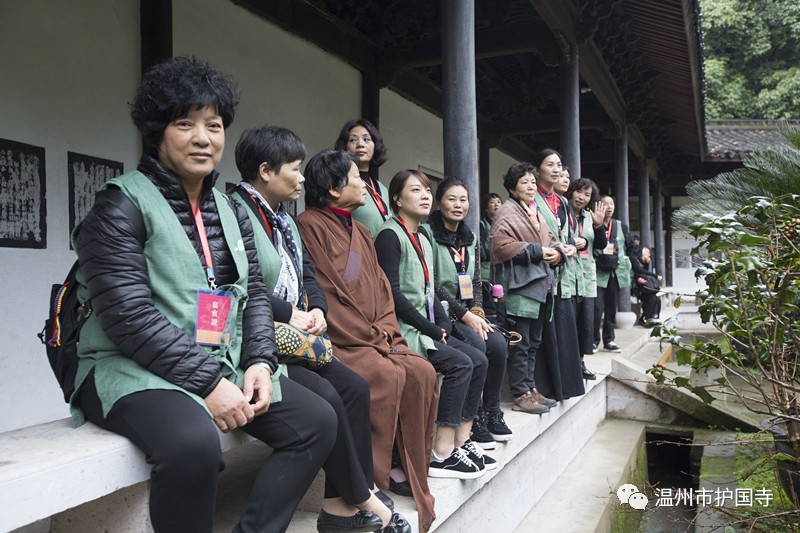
(113, 263)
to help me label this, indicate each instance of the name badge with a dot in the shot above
(610, 249)
(431, 317)
(215, 321)
(584, 254)
(465, 286)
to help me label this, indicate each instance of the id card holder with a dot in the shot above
(610, 249)
(429, 297)
(465, 286)
(215, 317)
(584, 254)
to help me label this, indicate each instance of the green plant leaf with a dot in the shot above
(683, 356)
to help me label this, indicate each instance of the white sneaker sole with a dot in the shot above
(454, 474)
(502, 438)
(492, 466)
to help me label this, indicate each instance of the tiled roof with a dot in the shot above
(733, 140)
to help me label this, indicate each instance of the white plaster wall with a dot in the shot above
(412, 135)
(499, 163)
(283, 80)
(67, 71)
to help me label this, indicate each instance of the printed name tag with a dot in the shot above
(584, 254)
(213, 316)
(465, 286)
(431, 317)
(610, 249)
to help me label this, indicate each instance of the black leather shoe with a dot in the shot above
(587, 374)
(362, 521)
(387, 501)
(398, 524)
(401, 488)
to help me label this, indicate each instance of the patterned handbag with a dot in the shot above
(296, 347)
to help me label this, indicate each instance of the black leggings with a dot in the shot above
(182, 443)
(464, 370)
(348, 469)
(496, 352)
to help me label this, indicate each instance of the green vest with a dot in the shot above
(567, 282)
(268, 258)
(444, 270)
(587, 271)
(412, 284)
(369, 214)
(623, 270)
(175, 274)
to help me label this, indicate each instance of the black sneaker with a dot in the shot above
(458, 466)
(612, 347)
(497, 427)
(594, 348)
(480, 433)
(478, 457)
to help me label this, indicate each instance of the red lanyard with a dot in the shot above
(267, 225)
(551, 200)
(377, 199)
(461, 257)
(572, 217)
(201, 231)
(608, 231)
(417, 244)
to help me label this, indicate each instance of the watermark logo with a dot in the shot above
(631, 495)
(671, 497)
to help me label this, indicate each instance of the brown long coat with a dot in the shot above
(363, 329)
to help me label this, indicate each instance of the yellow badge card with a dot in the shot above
(465, 286)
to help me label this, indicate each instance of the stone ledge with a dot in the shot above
(49, 468)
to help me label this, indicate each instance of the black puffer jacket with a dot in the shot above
(113, 263)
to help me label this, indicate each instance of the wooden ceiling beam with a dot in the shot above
(319, 28)
(488, 44)
(535, 124)
(562, 17)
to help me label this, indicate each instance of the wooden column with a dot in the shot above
(570, 109)
(621, 201)
(658, 230)
(155, 32)
(458, 96)
(668, 239)
(644, 202)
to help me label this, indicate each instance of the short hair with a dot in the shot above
(379, 154)
(272, 145)
(584, 183)
(399, 181)
(326, 170)
(542, 155)
(171, 89)
(448, 183)
(515, 172)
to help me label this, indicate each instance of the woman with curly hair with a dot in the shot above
(171, 353)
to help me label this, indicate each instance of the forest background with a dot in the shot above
(752, 58)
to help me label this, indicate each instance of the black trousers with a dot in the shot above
(496, 352)
(651, 306)
(182, 443)
(605, 311)
(464, 368)
(522, 356)
(348, 469)
(584, 316)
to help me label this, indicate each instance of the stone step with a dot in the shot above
(583, 499)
